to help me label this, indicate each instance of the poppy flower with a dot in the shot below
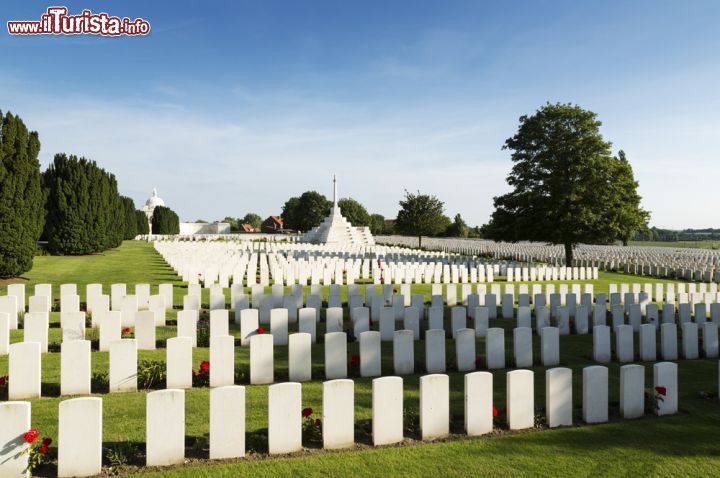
(47, 441)
(83, 310)
(3, 381)
(495, 411)
(31, 435)
(204, 366)
(661, 390)
(478, 361)
(194, 372)
(394, 291)
(318, 422)
(260, 330)
(43, 449)
(306, 412)
(355, 358)
(371, 323)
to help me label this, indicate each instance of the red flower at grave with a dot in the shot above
(355, 358)
(43, 449)
(394, 291)
(306, 412)
(47, 441)
(83, 310)
(661, 390)
(31, 435)
(495, 411)
(3, 381)
(126, 331)
(371, 322)
(194, 372)
(478, 361)
(204, 366)
(260, 330)
(318, 422)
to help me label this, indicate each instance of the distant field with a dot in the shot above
(679, 244)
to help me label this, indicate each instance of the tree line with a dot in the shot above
(74, 205)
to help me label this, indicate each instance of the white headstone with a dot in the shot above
(80, 437)
(75, 368)
(387, 410)
(632, 391)
(227, 422)
(478, 403)
(284, 418)
(550, 346)
(335, 355)
(435, 405)
(24, 371)
(222, 360)
(165, 427)
(520, 399)
(624, 349)
(595, 394)
(435, 351)
(495, 348)
(338, 424)
(261, 359)
(403, 352)
(522, 347)
(370, 360)
(15, 419)
(300, 357)
(558, 396)
(123, 365)
(179, 362)
(665, 380)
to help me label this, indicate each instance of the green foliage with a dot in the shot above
(151, 374)
(567, 187)
(458, 228)
(234, 223)
(131, 227)
(21, 196)
(85, 213)
(121, 453)
(377, 224)
(253, 219)
(421, 215)
(141, 223)
(165, 221)
(305, 212)
(354, 212)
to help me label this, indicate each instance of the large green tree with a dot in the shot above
(354, 212)
(21, 197)
(421, 215)
(566, 183)
(84, 212)
(141, 222)
(165, 221)
(305, 212)
(253, 219)
(377, 224)
(129, 215)
(626, 215)
(458, 228)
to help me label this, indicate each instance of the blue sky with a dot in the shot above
(236, 106)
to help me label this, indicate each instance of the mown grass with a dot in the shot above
(684, 445)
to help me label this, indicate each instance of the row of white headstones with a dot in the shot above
(80, 427)
(25, 358)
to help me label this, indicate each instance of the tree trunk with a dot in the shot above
(568, 254)
(419, 242)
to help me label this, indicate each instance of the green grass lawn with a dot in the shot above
(683, 445)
